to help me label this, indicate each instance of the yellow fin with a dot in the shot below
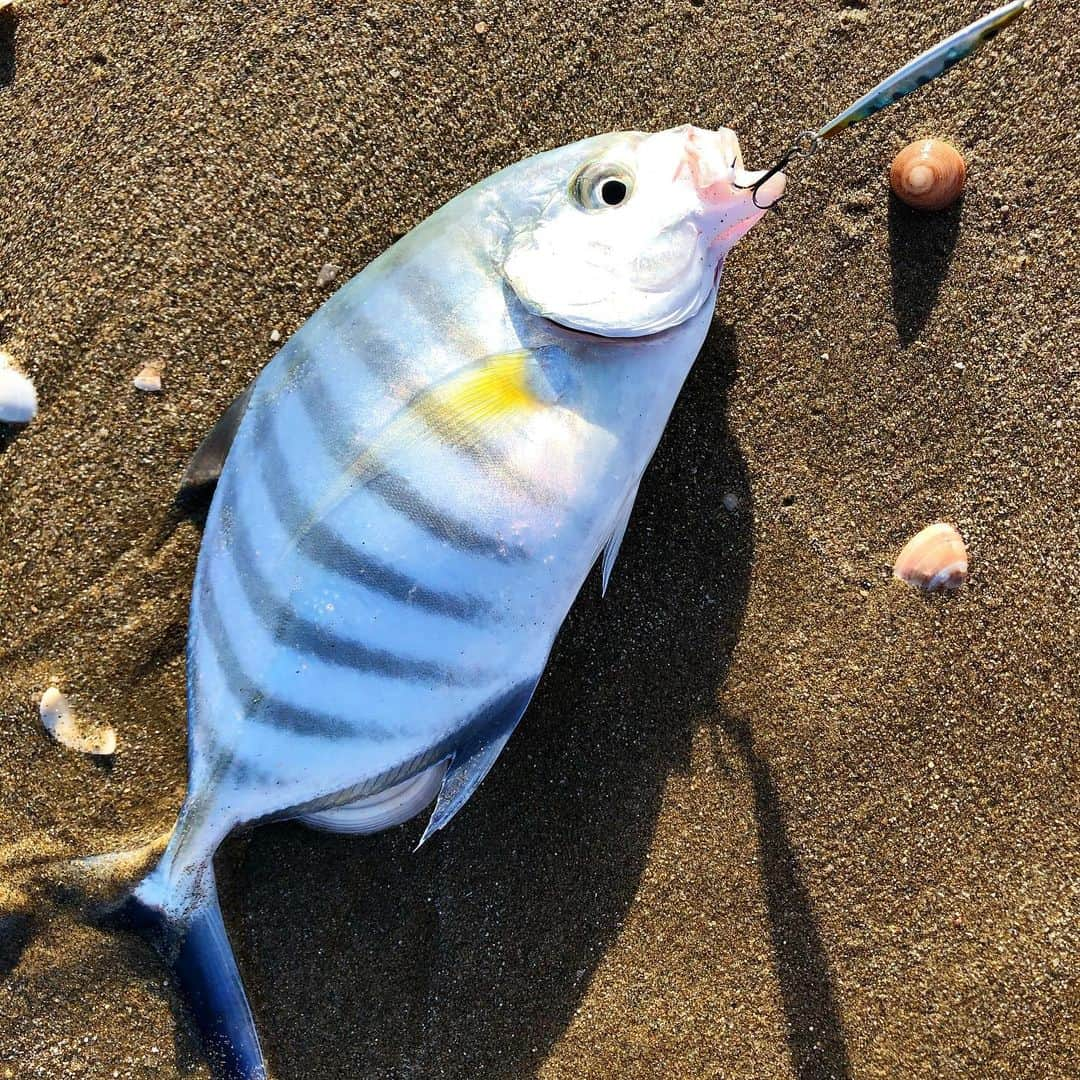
(463, 411)
(460, 410)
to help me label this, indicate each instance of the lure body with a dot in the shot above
(926, 67)
(419, 483)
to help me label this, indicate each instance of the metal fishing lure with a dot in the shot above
(926, 67)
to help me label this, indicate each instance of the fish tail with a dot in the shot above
(196, 949)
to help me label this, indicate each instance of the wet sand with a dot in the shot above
(771, 814)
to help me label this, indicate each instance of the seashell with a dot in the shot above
(63, 725)
(6, 5)
(327, 275)
(18, 398)
(935, 558)
(149, 379)
(928, 174)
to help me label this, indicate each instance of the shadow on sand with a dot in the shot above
(7, 46)
(920, 249)
(468, 958)
(815, 1033)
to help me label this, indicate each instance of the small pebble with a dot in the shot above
(275, 336)
(18, 398)
(62, 724)
(327, 275)
(481, 28)
(731, 502)
(149, 379)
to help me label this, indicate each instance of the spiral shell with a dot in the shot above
(928, 174)
(935, 558)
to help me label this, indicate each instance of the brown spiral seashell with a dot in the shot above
(935, 558)
(928, 174)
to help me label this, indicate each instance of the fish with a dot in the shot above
(408, 499)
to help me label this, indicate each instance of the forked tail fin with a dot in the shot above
(200, 958)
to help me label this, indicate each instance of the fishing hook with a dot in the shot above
(805, 145)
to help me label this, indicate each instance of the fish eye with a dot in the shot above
(601, 186)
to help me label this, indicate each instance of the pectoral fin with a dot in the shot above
(611, 548)
(473, 759)
(208, 460)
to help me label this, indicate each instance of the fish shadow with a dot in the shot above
(921, 246)
(15, 933)
(469, 957)
(815, 1033)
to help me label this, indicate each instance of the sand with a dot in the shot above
(772, 814)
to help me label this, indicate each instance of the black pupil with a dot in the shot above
(613, 192)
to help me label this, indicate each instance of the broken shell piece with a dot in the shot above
(327, 275)
(5, 5)
(928, 174)
(935, 558)
(18, 398)
(62, 724)
(149, 379)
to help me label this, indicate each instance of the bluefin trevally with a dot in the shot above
(413, 492)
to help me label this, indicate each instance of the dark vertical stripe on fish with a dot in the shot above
(288, 627)
(391, 487)
(325, 547)
(264, 708)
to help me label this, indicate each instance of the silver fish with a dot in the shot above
(414, 491)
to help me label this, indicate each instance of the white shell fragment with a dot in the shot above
(149, 379)
(63, 725)
(327, 275)
(18, 398)
(935, 558)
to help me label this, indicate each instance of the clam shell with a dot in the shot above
(149, 379)
(935, 558)
(63, 725)
(928, 174)
(18, 398)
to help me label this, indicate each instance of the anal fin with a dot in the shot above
(472, 761)
(374, 813)
(611, 548)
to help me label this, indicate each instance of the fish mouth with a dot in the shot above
(764, 193)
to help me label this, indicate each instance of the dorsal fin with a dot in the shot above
(208, 460)
(472, 761)
(611, 548)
